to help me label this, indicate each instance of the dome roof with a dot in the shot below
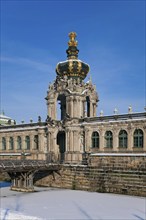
(5, 120)
(73, 67)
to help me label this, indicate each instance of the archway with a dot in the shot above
(61, 143)
(61, 110)
(88, 106)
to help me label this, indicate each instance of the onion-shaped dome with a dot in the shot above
(73, 67)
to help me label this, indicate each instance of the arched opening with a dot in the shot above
(88, 106)
(109, 139)
(138, 138)
(27, 143)
(95, 139)
(11, 143)
(36, 142)
(123, 139)
(19, 143)
(61, 143)
(61, 107)
(3, 143)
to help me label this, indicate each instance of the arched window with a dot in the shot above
(61, 107)
(109, 139)
(88, 106)
(19, 143)
(27, 143)
(11, 143)
(95, 139)
(138, 138)
(123, 139)
(3, 143)
(36, 142)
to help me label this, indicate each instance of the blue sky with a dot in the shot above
(34, 36)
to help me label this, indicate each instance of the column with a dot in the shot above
(87, 140)
(75, 108)
(67, 140)
(94, 109)
(71, 103)
(71, 142)
(49, 141)
(76, 141)
(91, 109)
(40, 141)
(0, 143)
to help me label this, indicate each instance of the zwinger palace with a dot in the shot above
(79, 131)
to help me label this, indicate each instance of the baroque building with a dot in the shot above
(78, 131)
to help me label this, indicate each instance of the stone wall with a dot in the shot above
(123, 175)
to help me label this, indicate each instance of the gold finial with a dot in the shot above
(72, 42)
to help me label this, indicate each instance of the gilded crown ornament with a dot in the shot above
(72, 36)
(72, 67)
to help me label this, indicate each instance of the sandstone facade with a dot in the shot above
(78, 131)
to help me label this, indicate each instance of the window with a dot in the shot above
(95, 139)
(109, 139)
(19, 143)
(27, 143)
(88, 106)
(61, 107)
(138, 138)
(36, 142)
(3, 143)
(11, 143)
(123, 139)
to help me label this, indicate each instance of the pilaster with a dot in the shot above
(88, 142)
(0, 143)
(115, 140)
(23, 144)
(130, 140)
(15, 142)
(144, 146)
(7, 143)
(31, 142)
(101, 140)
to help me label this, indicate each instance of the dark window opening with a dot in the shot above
(61, 142)
(11, 143)
(19, 143)
(36, 142)
(95, 140)
(138, 138)
(109, 139)
(123, 139)
(27, 143)
(61, 107)
(3, 143)
(88, 106)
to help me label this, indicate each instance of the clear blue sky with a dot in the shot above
(34, 36)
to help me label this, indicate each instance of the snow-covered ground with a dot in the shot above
(61, 204)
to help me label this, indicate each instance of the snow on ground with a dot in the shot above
(62, 204)
(11, 215)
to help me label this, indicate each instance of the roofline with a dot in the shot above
(115, 117)
(23, 125)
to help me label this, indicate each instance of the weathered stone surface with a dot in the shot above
(114, 178)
